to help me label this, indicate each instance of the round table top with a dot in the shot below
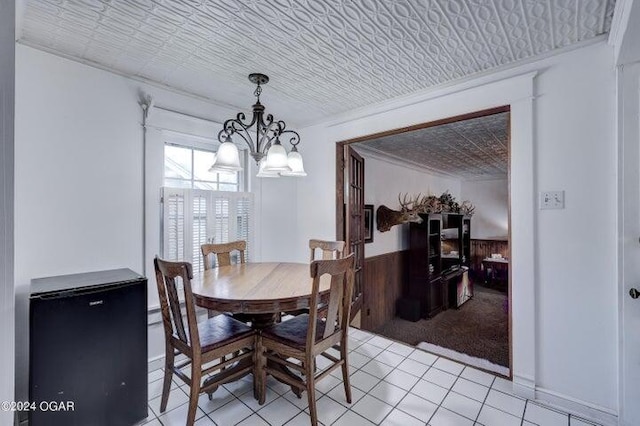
(256, 287)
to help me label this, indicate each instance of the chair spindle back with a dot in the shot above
(330, 249)
(341, 272)
(222, 252)
(172, 318)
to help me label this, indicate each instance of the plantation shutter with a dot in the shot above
(173, 225)
(192, 217)
(199, 227)
(221, 215)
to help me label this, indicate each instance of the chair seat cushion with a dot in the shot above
(221, 330)
(293, 332)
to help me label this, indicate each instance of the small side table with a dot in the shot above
(496, 271)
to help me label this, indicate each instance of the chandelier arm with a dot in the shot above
(294, 136)
(268, 122)
(246, 138)
(263, 127)
(268, 135)
(237, 126)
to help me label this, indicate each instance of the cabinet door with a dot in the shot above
(435, 297)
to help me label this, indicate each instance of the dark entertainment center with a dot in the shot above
(439, 259)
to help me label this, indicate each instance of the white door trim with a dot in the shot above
(628, 112)
(7, 282)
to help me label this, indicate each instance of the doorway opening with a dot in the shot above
(464, 157)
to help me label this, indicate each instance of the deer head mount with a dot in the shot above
(409, 209)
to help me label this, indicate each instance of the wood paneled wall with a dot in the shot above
(386, 275)
(384, 278)
(481, 249)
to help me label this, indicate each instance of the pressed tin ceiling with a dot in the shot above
(473, 149)
(323, 56)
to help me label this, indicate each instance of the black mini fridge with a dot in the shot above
(88, 349)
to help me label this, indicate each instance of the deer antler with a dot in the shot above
(404, 203)
(411, 204)
(421, 203)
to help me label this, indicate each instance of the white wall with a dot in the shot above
(564, 267)
(576, 152)
(7, 304)
(491, 201)
(383, 181)
(78, 180)
(79, 175)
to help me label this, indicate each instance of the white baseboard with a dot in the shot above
(156, 362)
(586, 410)
(155, 330)
(524, 386)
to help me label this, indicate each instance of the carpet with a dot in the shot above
(479, 328)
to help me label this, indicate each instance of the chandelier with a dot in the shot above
(263, 141)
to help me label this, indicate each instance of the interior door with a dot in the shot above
(354, 219)
(629, 192)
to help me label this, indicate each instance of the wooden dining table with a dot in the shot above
(260, 291)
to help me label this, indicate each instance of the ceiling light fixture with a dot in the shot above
(263, 141)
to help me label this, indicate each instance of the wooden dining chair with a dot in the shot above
(329, 249)
(222, 253)
(202, 343)
(307, 336)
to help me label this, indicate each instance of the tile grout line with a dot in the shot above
(485, 398)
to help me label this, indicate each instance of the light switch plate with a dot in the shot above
(551, 200)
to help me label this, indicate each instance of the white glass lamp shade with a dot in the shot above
(277, 160)
(215, 157)
(265, 173)
(295, 163)
(227, 159)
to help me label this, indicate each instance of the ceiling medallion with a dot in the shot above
(263, 141)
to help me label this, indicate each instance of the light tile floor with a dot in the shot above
(392, 384)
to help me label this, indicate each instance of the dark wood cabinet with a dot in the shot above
(439, 256)
(456, 241)
(425, 264)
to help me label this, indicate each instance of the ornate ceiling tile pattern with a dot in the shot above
(472, 149)
(330, 56)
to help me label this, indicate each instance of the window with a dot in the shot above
(188, 167)
(201, 207)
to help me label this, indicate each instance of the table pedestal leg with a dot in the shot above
(262, 321)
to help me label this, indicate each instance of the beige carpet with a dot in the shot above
(479, 328)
